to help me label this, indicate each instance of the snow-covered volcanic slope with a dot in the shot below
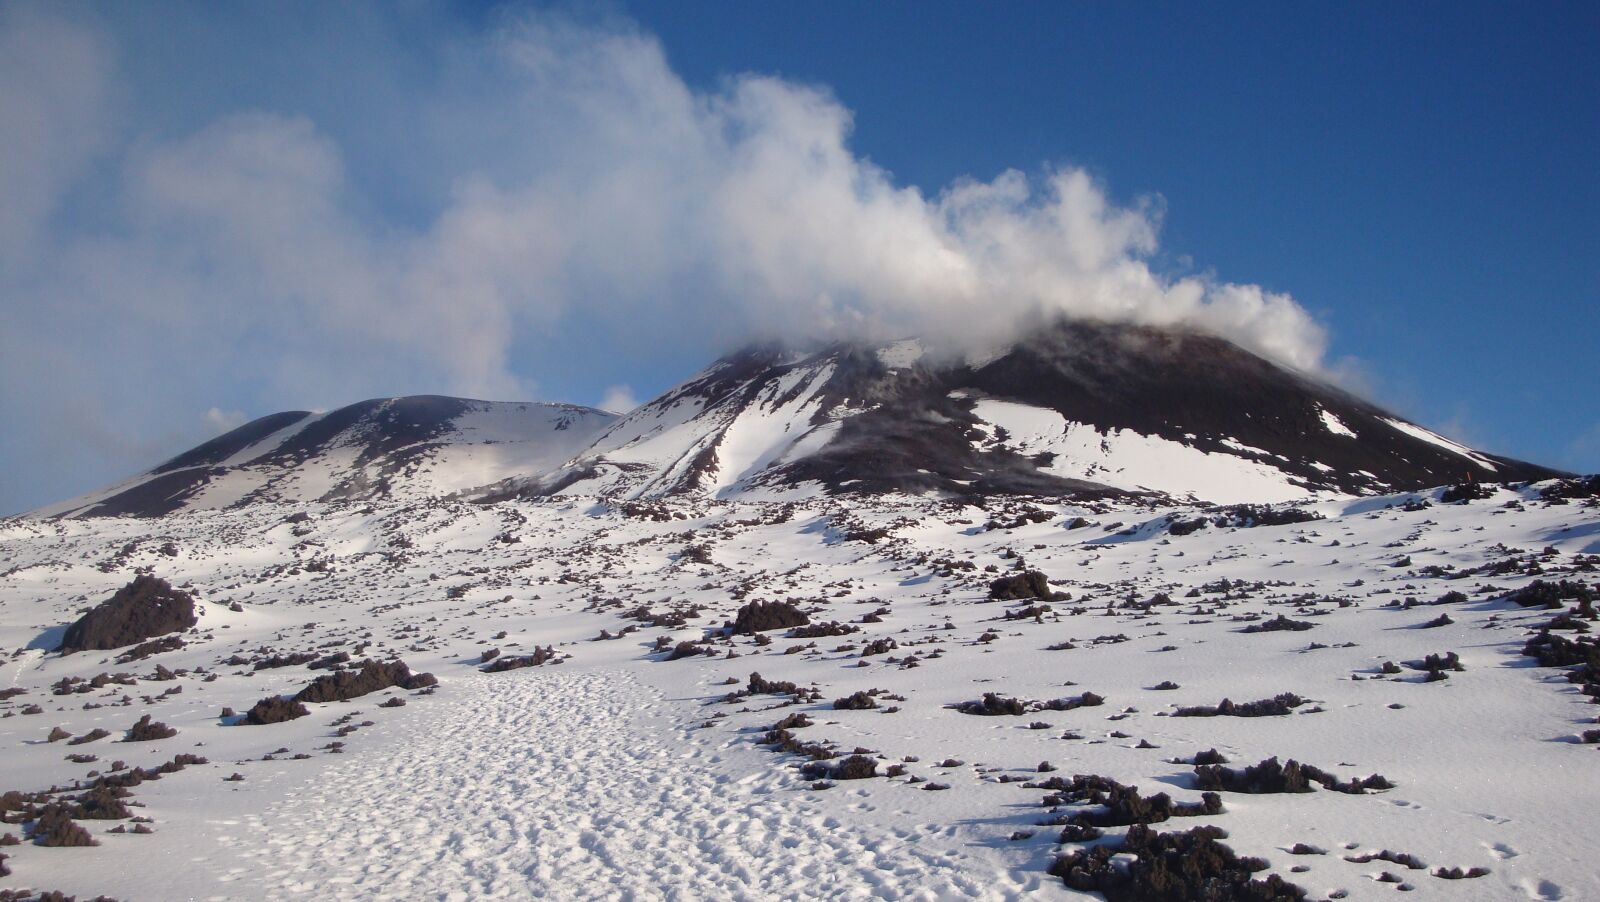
(859, 622)
(415, 447)
(896, 728)
(1078, 410)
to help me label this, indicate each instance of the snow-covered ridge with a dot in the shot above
(1434, 438)
(1080, 410)
(414, 447)
(1077, 410)
(714, 434)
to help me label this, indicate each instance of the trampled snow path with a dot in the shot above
(581, 786)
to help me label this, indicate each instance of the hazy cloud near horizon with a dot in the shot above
(154, 284)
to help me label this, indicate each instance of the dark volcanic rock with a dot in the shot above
(153, 647)
(497, 664)
(55, 827)
(1278, 624)
(143, 609)
(760, 616)
(1019, 586)
(855, 767)
(1277, 706)
(1466, 491)
(1172, 867)
(1271, 777)
(370, 677)
(856, 701)
(1576, 487)
(994, 705)
(102, 803)
(274, 709)
(147, 730)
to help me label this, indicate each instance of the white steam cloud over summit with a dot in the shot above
(752, 197)
(562, 183)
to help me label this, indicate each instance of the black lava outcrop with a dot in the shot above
(501, 664)
(371, 676)
(761, 616)
(1277, 706)
(855, 767)
(1172, 867)
(148, 730)
(274, 709)
(1278, 624)
(1271, 777)
(55, 827)
(1576, 487)
(143, 609)
(1020, 586)
(994, 704)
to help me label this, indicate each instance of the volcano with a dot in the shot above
(1076, 410)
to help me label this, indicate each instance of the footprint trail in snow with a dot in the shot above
(577, 785)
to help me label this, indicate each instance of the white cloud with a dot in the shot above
(595, 199)
(618, 399)
(219, 421)
(54, 119)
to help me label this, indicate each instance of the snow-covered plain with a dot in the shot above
(619, 774)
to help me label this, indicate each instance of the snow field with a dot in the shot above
(617, 774)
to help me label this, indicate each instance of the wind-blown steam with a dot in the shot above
(585, 193)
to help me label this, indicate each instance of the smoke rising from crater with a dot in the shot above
(572, 188)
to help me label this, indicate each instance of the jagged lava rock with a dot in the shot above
(145, 608)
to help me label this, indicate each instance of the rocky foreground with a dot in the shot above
(835, 697)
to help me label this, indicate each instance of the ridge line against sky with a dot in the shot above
(210, 218)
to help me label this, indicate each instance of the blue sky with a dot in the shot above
(1422, 176)
(213, 216)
